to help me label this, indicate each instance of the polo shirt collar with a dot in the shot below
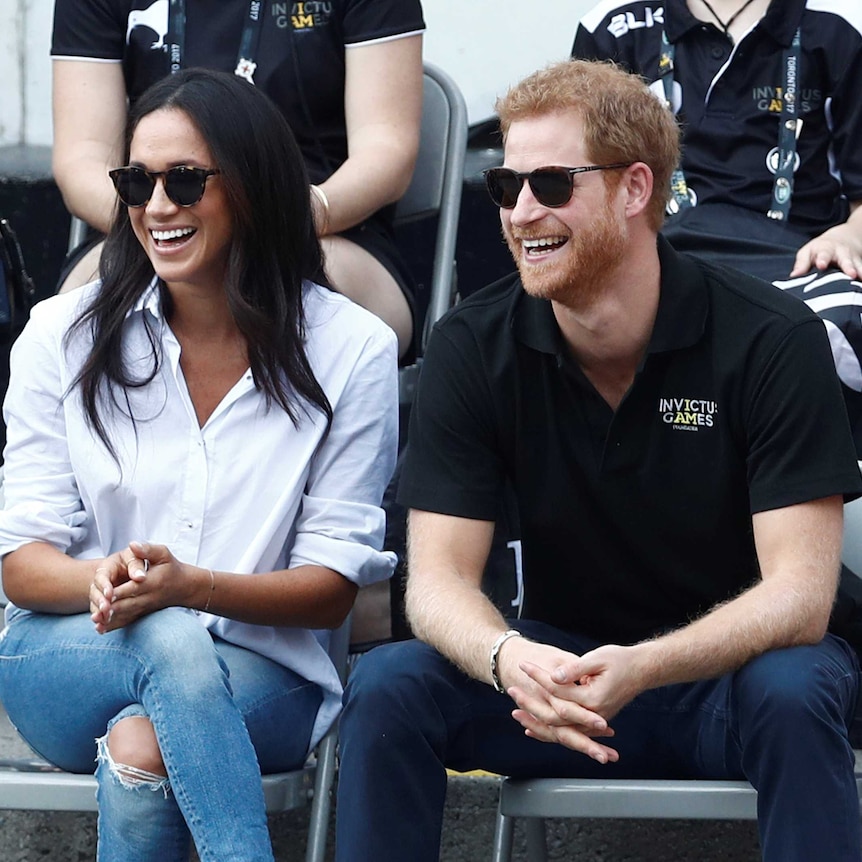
(780, 21)
(680, 319)
(678, 19)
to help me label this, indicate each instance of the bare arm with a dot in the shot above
(447, 609)
(89, 106)
(799, 551)
(445, 560)
(38, 577)
(839, 246)
(798, 548)
(383, 109)
(305, 597)
(118, 589)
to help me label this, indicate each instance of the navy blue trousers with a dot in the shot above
(780, 721)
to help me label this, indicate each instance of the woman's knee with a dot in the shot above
(172, 638)
(131, 752)
(359, 275)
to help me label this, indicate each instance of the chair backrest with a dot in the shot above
(77, 233)
(437, 183)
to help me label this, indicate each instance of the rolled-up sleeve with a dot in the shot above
(42, 502)
(341, 524)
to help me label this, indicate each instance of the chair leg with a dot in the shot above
(321, 803)
(504, 828)
(537, 843)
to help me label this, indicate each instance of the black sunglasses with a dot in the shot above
(552, 186)
(185, 186)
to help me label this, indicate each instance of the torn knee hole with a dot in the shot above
(130, 777)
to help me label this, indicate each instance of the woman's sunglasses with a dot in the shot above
(552, 186)
(185, 186)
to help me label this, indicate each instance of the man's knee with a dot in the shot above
(395, 684)
(799, 682)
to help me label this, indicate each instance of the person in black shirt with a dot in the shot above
(674, 435)
(770, 181)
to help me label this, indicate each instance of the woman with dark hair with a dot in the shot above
(193, 480)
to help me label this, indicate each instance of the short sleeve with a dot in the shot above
(799, 442)
(88, 29)
(453, 463)
(371, 20)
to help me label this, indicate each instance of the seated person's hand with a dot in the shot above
(546, 709)
(840, 246)
(132, 583)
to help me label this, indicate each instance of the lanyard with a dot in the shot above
(680, 199)
(248, 43)
(788, 131)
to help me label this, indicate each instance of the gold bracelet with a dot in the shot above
(320, 194)
(212, 590)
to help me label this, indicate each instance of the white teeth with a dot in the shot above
(164, 235)
(542, 243)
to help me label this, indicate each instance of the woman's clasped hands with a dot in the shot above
(132, 583)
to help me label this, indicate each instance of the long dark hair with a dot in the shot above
(273, 249)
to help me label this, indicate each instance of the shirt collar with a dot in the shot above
(680, 320)
(780, 21)
(150, 300)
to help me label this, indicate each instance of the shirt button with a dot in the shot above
(717, 52)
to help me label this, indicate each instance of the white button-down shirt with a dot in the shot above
(249, 492)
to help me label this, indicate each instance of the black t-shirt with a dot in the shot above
(728, 101)
(634, 522)
(300, 59)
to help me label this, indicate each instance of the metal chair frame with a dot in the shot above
(435, 189)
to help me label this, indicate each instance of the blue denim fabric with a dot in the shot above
(780, 721)
(221, 713)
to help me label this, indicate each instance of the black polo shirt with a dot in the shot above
(632, 522)
(727, 105)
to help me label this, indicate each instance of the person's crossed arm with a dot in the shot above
(798, 548)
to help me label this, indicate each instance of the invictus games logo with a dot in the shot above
(303, 15)
(770, 100)
(687, 414)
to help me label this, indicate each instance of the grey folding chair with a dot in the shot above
(436, 189)
(35, 785)
(538, 798)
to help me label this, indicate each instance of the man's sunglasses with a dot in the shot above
(185, 186)
(552, 186)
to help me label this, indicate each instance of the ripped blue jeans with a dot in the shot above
(222, 715)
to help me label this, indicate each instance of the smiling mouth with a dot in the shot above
(545, 245)
(166, 237)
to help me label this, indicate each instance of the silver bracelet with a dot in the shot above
(495, 652)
